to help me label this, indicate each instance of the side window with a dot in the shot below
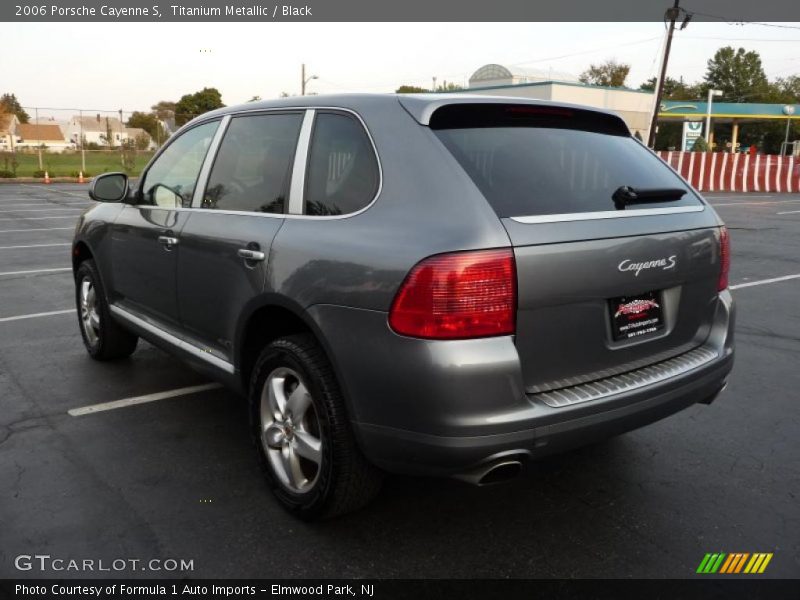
(171, 179)
(342, 174)
(253, 166)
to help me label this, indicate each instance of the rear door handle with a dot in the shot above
(167, 241)
(248, 254)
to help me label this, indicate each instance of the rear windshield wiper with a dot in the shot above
(625, 195)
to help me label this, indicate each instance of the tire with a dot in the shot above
(304, 440)
(104, 338)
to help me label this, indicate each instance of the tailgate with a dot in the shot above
(592, 308)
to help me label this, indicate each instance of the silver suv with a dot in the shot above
(447, 285)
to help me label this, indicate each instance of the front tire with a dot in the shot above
(304, 441)
(104, 338)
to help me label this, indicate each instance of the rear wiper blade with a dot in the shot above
(625, 195)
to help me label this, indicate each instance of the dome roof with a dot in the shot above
(495, 72)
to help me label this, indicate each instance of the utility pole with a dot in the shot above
(672, 14)
(303, 79)
(38, 139)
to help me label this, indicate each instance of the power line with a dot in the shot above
(740, 21)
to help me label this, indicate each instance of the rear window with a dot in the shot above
(529, 160)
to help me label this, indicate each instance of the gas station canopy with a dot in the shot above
(726, 112)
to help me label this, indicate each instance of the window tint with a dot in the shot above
(171, 179)
(253, 165)
(342, 172)
(531, 170)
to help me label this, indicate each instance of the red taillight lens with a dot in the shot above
(457, 296)
(724, 258)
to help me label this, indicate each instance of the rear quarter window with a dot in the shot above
(529, 160)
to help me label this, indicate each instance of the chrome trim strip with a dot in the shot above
(608, 214)
(211, 155)
(298, 183)
(630, 381)
(171, 339)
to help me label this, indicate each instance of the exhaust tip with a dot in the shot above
(501, 472)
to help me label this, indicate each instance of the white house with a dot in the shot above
(100, 130)
(50, 137)
(8, 127)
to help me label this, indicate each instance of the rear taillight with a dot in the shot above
(724, 258)
(457, 296)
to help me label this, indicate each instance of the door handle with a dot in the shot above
(167, 241)
(248, 254)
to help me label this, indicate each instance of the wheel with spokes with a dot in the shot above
(103, 337)
(303, 438)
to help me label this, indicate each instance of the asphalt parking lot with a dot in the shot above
(177, 478)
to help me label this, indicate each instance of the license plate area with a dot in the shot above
(635, 317)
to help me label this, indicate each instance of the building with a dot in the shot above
(8, 127)
(48, 137)
(103, 131)
(498, 75)
(634, 106)
(738, 115)
(136, 133)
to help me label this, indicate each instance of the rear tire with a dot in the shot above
(104, 338)
(304, 440)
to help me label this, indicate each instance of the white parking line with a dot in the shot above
(37, 218)
(94, 408)
(36, 271)
(788, 212)
(46, 229)
(755, 203)
(33, 246)
(15, 210)
(35, 315)
(764, 281)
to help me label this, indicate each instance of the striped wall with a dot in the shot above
(725, 172)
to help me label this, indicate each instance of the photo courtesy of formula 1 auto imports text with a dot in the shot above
(346, 299)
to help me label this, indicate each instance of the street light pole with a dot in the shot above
(304, 80)
(711, 94)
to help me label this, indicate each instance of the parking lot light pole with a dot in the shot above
(711, 94)
(304, 80)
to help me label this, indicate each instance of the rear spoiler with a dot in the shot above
(453, 111)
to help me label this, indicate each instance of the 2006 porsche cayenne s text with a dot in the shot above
(443, 284)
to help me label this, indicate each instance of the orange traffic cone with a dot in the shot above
(46, 177)
(80, 177)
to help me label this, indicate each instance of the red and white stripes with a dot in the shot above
(725, 172)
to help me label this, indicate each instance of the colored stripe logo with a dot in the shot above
(734, 563)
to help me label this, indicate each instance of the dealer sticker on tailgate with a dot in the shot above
(635, 316)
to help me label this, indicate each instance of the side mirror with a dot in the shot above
(109, 187)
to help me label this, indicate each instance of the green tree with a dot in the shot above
(410, 89)
(674, 89)
(700, 145)
(192, 105)
(10, 104)
(149, 122)
(610, 73)
(738, 74)
(164, 109)
(448, 86)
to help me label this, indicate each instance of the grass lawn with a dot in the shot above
(68, 164)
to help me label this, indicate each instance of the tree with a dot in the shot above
(10, 104)
(700, 145)
(149, 122)
(164, 109)
(738, 74)
(448, 86)
(192, 105)
(142, 141)
(610, 73)
(410, 89)
(673, 89)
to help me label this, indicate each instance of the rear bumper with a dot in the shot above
(554, 429)
(445, 408)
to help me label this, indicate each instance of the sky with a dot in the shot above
(131, 66)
